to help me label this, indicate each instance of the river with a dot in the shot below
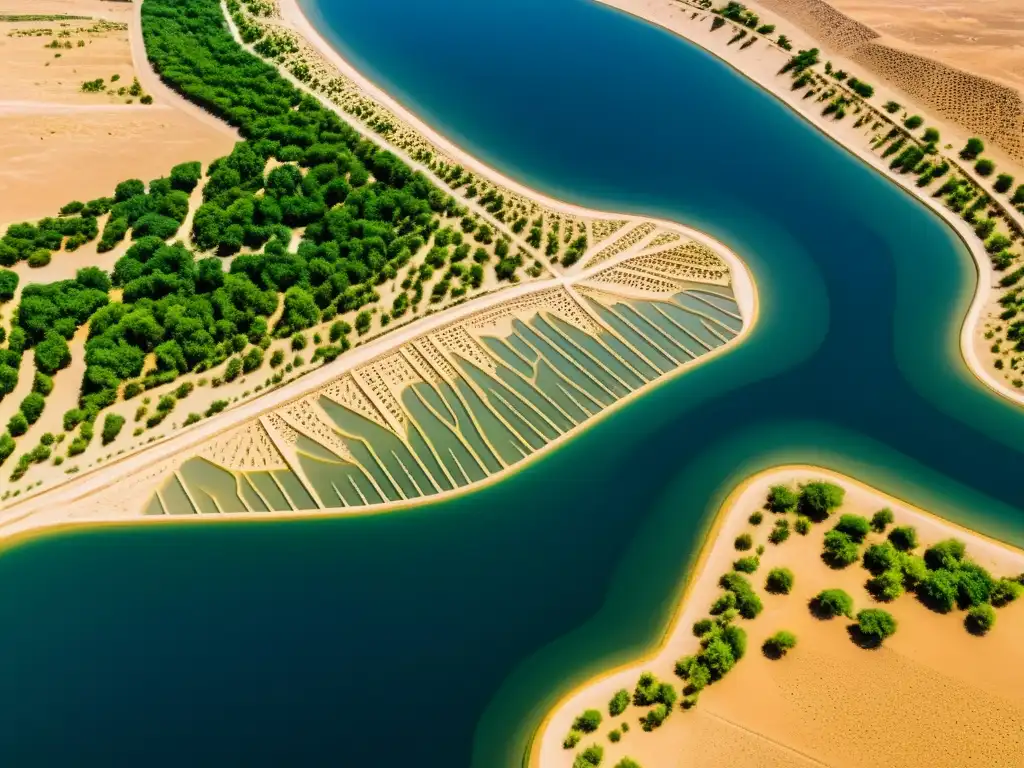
(440, 636)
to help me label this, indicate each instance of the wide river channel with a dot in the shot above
(440, 636)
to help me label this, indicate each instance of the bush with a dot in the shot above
(588, 722)
(743, 542)
(974, 584)
(746, 600)
(1003, 182)
(938, 591)
(903, 537)
(32, 407)
(931, 135)
(702, 626)
(840, 549)
(886, 586)
(627, 762)
(618, 703)
(913, 122)
(984, 167)
(755, 518)
(875, 625)
(591, 756)
(747, 564)
(572, 740)
(980, 619)
(1005, 591)
(775, 647)
(879, 558)
(854, 526)
(112, 424)
(42, 384)
(8, 284)
(946, 554)
(52, 353)
(17, 425)
(802, 525)
(782, 498)
(724, 602)
(881, 520)
(780, 532)
(914, 570)
(819, 499)
(615, 736)
(779, 581)
(832, 602)
(972, 149)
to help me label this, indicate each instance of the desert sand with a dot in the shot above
(58, 143)
(933, 694)
(985, 38)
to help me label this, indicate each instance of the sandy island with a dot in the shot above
(933, 694)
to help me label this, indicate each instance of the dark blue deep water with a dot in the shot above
(440, 636)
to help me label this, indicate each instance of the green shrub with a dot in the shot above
(112, 424)
(945, 554)
(589, 757)
(980, 619)
(618, 703)
(42, 384)
(913, 568)
(840, 549)
(832, 602)
(756, 518)
(938, 590)
(747, 602)
(572, 740)
(881, 520)
(588, 722)
(17, 425)
(875, 625)
(886, 586)
(32, 407)
(743, 542)
(1003, 183)
(973, 584)
(879, 558)
(802, 525)
(776, 646)
(779, 581)
(984, 167)
(747, 564)
(724, 602)
(782, 498)
(913, 122)
(702, 626)
(972, 149)
(854, 526)
(780, 532)
(1005, 591)
(615, 736)
(903, 537)
(819, 499)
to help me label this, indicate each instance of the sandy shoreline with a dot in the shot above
(728, 700)
(660, 13)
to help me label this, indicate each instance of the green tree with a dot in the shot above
(819, 499)
(875, 625)
(1003, 183)
(854, 526)
(112, 424)
(782, 498)
(32, 407)
(879, 558)
(779, 581)
(840, 549)
(903, 537)
(52, 353)
(743, 542)
(931, 135)
(984, 167)
(972, 149)
(832, 602)
(588, 722)
(17, 425)
(776, 646)
(8, 284)
(618, 703)
(913, 122)
(881, 520)
(938, 590)
(980, 619)
(946, 554)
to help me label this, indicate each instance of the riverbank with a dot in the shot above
(822, 703)
(761, 64)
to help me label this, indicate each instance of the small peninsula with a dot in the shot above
(817, 605)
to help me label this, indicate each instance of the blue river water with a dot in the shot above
(441, 635)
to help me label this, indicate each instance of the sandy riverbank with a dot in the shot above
(932, 695)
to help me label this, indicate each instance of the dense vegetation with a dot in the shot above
(364, 213)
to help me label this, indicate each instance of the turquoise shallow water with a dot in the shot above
(439, 636)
